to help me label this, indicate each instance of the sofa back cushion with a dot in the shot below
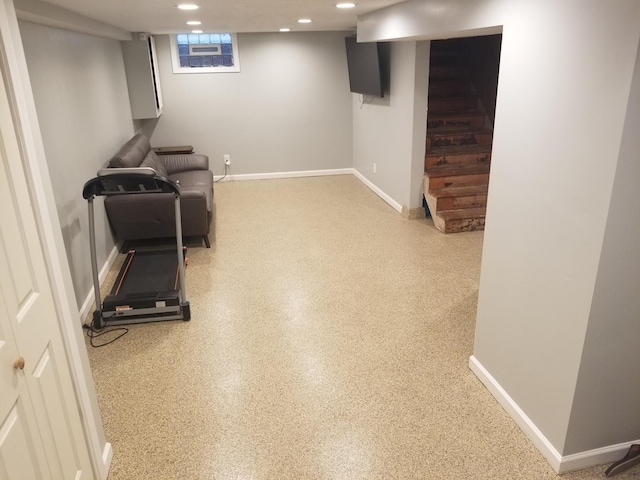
(132, 153)
(152, 160)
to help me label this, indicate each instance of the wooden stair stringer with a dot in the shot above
(432, 203)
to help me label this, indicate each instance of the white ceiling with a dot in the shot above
(162, 16)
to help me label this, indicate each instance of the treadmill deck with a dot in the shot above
(147, 284)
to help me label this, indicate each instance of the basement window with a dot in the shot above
(204, 53)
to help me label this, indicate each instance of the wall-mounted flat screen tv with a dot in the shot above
(368, 66)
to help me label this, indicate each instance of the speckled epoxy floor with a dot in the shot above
(329, 339)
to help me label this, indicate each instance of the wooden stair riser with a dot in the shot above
(449, 88)
(464, 225)
(458, 139)
(476, 158)
(458, 181)
(452, 104)
(467, 201)
(470, 120)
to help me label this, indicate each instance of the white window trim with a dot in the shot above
(175, 61)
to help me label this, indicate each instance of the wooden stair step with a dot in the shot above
(476, 112)
(462, 120)
(446, 176)
(459, 197)
(464, 180)
(462, 213)
(459, 191)
(454, 129)
(453, 104)
(457, 170)
(458, 130)
(458, 155)
(453, 149)
(458, 136)
(460, 160)
(463, 219)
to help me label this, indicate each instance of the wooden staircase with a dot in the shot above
(458, 150)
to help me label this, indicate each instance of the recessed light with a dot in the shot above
(196, 31)
(304, 20)
(188, 6)
(194, 22)
(346, 5)
(285, 30)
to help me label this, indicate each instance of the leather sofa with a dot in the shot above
(152, 215)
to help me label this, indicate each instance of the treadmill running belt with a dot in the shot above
(147, 272)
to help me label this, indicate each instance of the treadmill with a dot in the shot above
(150, 286)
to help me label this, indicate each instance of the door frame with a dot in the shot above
(13, 62)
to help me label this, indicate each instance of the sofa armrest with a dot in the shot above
(183, 163)
(173, 150)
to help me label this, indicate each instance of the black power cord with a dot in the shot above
(223, 176)
(93, 332)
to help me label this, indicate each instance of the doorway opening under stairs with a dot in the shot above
(463, 83)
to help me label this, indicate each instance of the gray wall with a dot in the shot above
(609, 376)
(289, 109)
(391, 131)
(81, 97)
(560, 114)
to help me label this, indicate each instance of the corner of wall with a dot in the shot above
(559, 463)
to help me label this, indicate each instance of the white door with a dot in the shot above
(41, 433)
(21, 451)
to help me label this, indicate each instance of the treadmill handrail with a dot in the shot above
(127, 181)
(148, 171)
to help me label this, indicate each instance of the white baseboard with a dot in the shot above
(88, 301)
(299, 174)
(315, 173)
(559, 463)
(522, 420)
(591, 458)
(395, 205)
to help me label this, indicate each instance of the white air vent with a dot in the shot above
(208, 49)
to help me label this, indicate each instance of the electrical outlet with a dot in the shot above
(374, 168)
(227, 160)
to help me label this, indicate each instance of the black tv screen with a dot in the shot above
(365, 62)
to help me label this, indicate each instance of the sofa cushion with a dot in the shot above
(132, 153)
(152, 160)
(182, 163)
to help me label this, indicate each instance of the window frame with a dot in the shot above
(175, 60)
